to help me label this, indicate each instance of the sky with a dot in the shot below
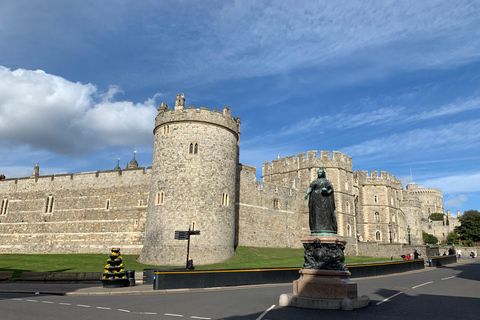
(395, 85)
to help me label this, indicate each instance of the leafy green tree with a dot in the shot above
(429, 238)
(452, 238)
(436, 216)
(470, 226)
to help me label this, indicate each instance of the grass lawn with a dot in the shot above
(246, 257)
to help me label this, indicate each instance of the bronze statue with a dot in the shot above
(321, 206)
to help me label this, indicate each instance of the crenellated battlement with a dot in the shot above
(99, 179)
(248, 177)
(372, 177)
(191, 113)
(307, 160)
(413, 188)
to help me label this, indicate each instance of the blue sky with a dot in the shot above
(393, 84)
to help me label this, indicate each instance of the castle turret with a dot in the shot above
(193, 180)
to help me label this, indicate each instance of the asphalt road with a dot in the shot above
(438, 293)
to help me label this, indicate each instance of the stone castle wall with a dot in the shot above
(378, 205)
(77, 218)
(196, 178)
(266, 216)
(195, 161)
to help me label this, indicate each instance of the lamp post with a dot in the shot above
(408, 230)
(390, 230)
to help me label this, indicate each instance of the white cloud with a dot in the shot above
(456, 201)
(458, 136)
(455, 184)
(47, 112)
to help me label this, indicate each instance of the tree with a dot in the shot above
(470, 226)
(429, 238)
(452, 238)
(436, 216)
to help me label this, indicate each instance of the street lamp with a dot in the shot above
(408, 230)
(390, 229)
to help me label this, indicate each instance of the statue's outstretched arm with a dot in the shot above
(306, 196)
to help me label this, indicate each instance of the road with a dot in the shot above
(443, 293)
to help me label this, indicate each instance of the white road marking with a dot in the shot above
(449, 278)
(47, 302)
(149, 312)
(83, 305)
(17, 299)
(65, 304)
(104, 308)
(123, 310)
(31, 300)
(265, 312)
(423, 284)
(386, 299)
(173, 315)
(193, 317)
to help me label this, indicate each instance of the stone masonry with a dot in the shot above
(196, 179)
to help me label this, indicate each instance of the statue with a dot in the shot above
(321, 206)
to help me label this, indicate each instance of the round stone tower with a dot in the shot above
(194, 166)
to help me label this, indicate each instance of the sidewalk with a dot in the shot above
(83, 289)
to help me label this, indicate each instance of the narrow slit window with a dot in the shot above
(190, 150)
(225, 199)
(196, 149)
(3, 209)
(378, 236)
(107, 205)
(160, 198)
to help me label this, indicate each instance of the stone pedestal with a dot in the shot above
(324, 284)
(324, 281)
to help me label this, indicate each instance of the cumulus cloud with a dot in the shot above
(456, 184)
(48, 112)
(457, 136)
(455, 201)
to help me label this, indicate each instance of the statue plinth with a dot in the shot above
(324, 281)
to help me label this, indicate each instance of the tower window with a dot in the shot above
(347, 207)
(349, 230)
(166, 129)
(107, 205)
(375, 198)
(4, 207)
(225, 199)
(49, 204)
(377, 216)
(275, 204)
(193, 148)
(140, 203)
(378, 236)
(160, 198)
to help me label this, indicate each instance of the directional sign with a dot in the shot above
(182, 235)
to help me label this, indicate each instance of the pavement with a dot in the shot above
(83, 289)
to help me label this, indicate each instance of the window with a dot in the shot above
(378, 236)
(275, 203)
(160, 198)
(375, 198)
(377, 216)
(193, 148)
(4, 207)
(225, 200)
(166, 129)
(49, 204)
(349, 230)
(140, 203)
(347, 207)
(107, 205)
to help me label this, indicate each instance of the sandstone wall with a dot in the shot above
(87, 212)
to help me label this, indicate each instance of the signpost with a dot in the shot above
(185, 235)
